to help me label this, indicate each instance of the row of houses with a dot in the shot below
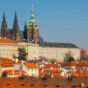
(16, 68)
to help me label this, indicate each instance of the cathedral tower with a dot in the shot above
(25, 31)
(4, 27)
(32, 29)
(16, 34)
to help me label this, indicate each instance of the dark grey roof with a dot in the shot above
(62, 45)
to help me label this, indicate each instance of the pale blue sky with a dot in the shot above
(59, 20)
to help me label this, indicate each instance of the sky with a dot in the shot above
(62, 21)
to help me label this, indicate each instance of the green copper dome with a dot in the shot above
(32, 18)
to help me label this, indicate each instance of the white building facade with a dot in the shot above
(31, 69)
(59, 52)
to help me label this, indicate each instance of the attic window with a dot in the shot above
(8, 84)
(74, 86)
(22, 77)
(57, 85)
(22, 84)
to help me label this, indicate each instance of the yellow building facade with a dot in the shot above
(8, 49)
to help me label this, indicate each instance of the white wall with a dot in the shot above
(31, 72)
(58, 53)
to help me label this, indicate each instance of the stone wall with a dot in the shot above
(58, 53)
(31, 49)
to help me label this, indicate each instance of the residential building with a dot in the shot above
(31, 69)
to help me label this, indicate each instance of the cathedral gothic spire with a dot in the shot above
(25, 31)
(4, 27)
(32, 28)
(15, 31)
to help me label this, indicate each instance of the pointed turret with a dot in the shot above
(32, 28)
(15, 19)
(25, 30)
(4, 17)
(15, 31)
(15, 25)
(4, 27)
(32, 18)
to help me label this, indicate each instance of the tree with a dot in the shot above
(4, 74)
(84, 55)
(22, 55)
(71, 59)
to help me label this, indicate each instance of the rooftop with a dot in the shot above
(62, 45)
(7, 40)
(39, 83)
(30, 65)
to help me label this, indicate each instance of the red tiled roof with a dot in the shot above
(38, 83)
(5, 40)
(82, 50)
(75, 63)
(51, 65)
(30, 65)
(5, 62)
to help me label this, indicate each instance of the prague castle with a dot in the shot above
(12, 39)
(29, 34)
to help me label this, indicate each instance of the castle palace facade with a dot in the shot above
(29, 34)
(34, 45)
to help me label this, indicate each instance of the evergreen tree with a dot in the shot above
(68, 57)
(22, 55)
(4, 74)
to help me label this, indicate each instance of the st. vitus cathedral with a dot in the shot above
(29, 34)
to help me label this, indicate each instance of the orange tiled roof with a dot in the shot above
(38, 83)
(82, 50)
(19, 62)
(47, 66)
(30, 65)
(5, 62)
(75, 63)
(5, 40)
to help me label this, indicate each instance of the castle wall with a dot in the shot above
(58, 53)
(31, 49)
(8, 50)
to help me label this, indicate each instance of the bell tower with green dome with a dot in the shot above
(32, 28)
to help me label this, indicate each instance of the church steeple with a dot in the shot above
(15, 22)
(32, 17)
(15, 18)
(25, 30)
(4, 27)
(15, 30)
(32, 28)
(4, 17)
